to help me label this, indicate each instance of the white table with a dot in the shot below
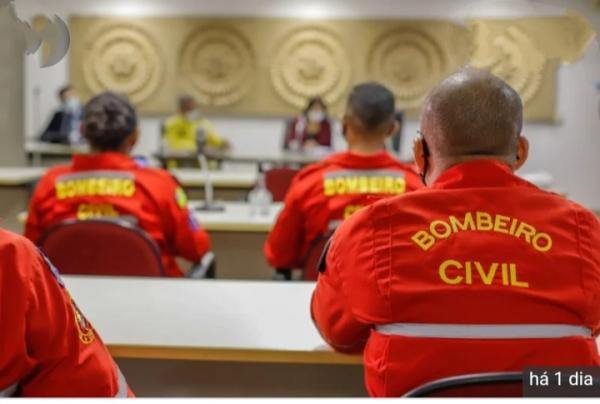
(19, 176)
(193, 177)
(204, 320)
(15, 192)
(229, 185)
(237, 217)
(238, 239)
(36, 150)
(236, 156)
(188, 338)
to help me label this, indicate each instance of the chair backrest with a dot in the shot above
(278, 181)
(500, 384)
(102, 247)
(310, 271)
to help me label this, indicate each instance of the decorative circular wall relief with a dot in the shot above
(512, 56)
(410, 62)
(219, 63)
(123, 59)
(310, 62)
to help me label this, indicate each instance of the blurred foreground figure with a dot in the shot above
(479, 272)
(48, 348)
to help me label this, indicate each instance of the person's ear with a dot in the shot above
(344, 122)
(522, 153)
(419, 154)
(133, 139)
(393, 129)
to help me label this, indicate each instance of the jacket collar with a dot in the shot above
(353, 160)
(479, 174)
(107, 160)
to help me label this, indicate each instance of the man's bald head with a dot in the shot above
(473, 113)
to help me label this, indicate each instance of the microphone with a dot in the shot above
(209, 202)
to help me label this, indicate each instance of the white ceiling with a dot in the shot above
(458, 9)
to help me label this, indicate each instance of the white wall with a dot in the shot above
(569, 150)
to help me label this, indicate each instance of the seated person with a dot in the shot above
(64, 125)
(179, 132)
(480, 272)
(108, 183)
(311, 129)
(325, 193)
(49, 348)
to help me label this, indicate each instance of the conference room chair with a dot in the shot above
(109, 247)
(499, 384)
(310, 271)
(278, 181)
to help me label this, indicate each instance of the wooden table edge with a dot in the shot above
(232, 355)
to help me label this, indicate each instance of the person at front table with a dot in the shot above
(108, 183)
(310, 130)
(479, 272)
(49, 349)
(322, 195)
(63, 128)
(179, 132)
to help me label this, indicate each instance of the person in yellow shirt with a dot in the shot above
(179, 132)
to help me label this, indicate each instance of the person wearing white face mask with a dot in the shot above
(64, 125)
(310, 130)
(179, 131)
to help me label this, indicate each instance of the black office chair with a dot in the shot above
(499, 384)
(310, 271)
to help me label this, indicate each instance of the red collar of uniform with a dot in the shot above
(354, 160)
(477, 174)
(108, 160)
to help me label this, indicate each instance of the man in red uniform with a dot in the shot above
(47, 347)
(479, 272)
(108, 183)
(324, 194)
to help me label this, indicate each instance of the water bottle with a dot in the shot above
(260, 198)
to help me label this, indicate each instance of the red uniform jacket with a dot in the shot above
(480, 247)
(324, 194)
(47, 347)
(112, 184)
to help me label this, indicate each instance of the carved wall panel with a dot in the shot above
(219, 63)
(526, 52)
(310, 62)
(124, 59)
(264, 66)
(410, 62)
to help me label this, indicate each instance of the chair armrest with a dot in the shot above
(205, 269)
(282, 274)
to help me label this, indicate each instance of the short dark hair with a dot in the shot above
(183, 99)
(63, 90)
(372, 106)
(475, 113)
(314, 101)
(108, 120)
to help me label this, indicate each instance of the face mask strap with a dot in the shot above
(426, 155)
